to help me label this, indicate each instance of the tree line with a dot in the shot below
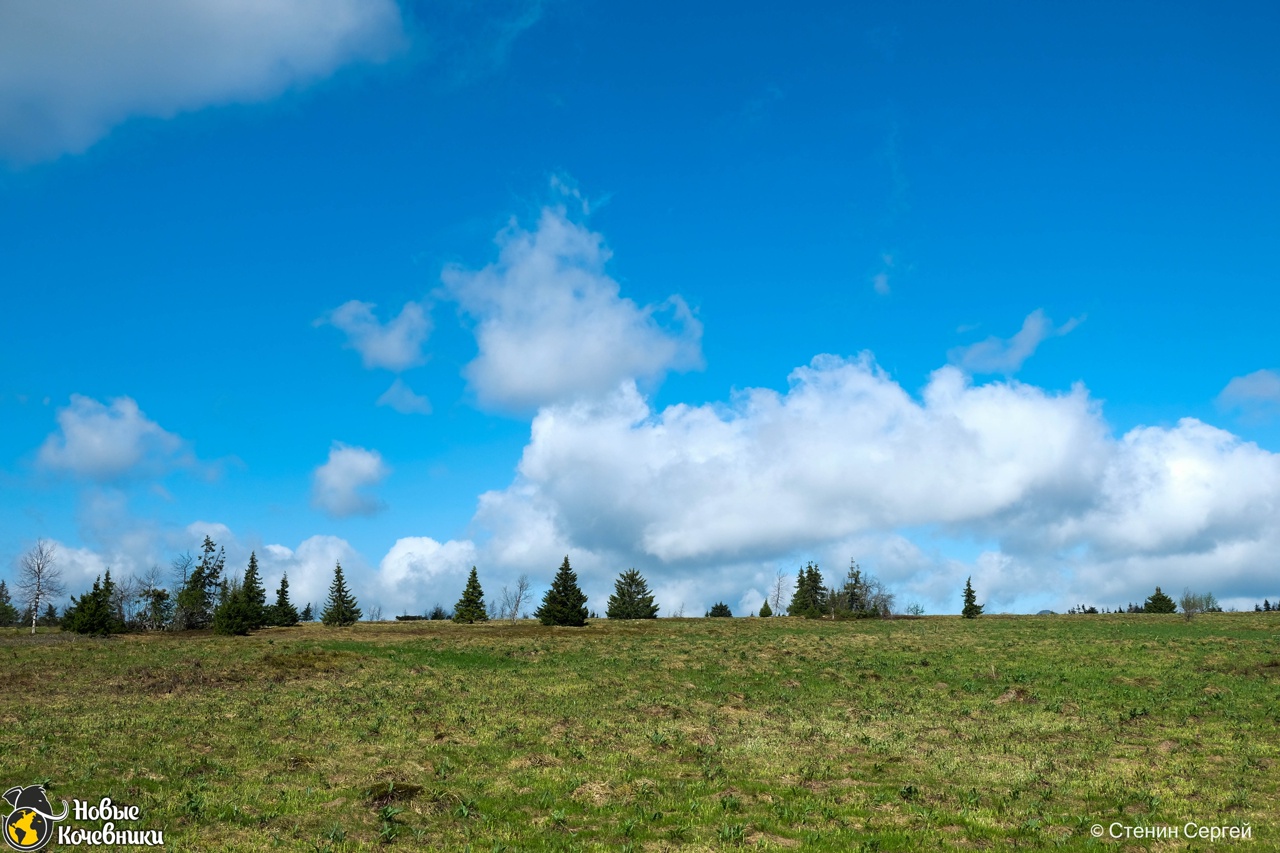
(202, 596)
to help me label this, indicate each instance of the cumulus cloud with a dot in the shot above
(310, 568)
(70, 72)
(418, 572)
(845, 449)
(394, 345)
(403, 399)
(551, 325)
(1006, 355)
(847, 463)
(339, 485)
(107, 441)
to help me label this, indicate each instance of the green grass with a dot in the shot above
(693, 734)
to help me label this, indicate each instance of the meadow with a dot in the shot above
(931, 733)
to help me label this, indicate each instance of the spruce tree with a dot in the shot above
(564, 603)
(810, 599)
(255, 597)
(719, 610)
(972, 609)
(9, 613)
(92, 612)
(765, 610)
(283, 613)
(235, 614)
(340, 610)
(201, 591)
(1159, 603)
(470, 608)
(631, 598)
(307, 615)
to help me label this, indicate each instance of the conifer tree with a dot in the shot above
(972, 609)
(470, 608)
(307, 615)
(340, 610)
(9, 613)
(283, 613)
(255, 597)
(765, 610)
(202, 590)
(92, 612)
(719, 610)
(234, 615)
(631, 598)
(564, 603)
(1158, 602)
(810, 598)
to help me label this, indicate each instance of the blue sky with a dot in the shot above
(951, 289)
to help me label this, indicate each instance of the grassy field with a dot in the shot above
(689, 734)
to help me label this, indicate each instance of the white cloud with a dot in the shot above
(403, 399)
(551, 325)
(71, 71)
(1000, 355)
(1256, 392)
(310, 568)
(105, 442)
(847, 464)
(338, 485)
(394, 345)
(418, 572)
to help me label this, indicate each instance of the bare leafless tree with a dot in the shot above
(514, 599)
(779, 589)
(39, 578)
(375, 613)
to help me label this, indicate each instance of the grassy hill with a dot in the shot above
(996, 733)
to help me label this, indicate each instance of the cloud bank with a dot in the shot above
(846, 463)
(71, 71)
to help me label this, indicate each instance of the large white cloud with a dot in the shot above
(551, 325)
(418, 572)
(845, 450)
(70, 71)
(847, 463)
(108, 441)
(394, 345)
(339, 486)
(310, 568)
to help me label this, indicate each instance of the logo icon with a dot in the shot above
(30, 825)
